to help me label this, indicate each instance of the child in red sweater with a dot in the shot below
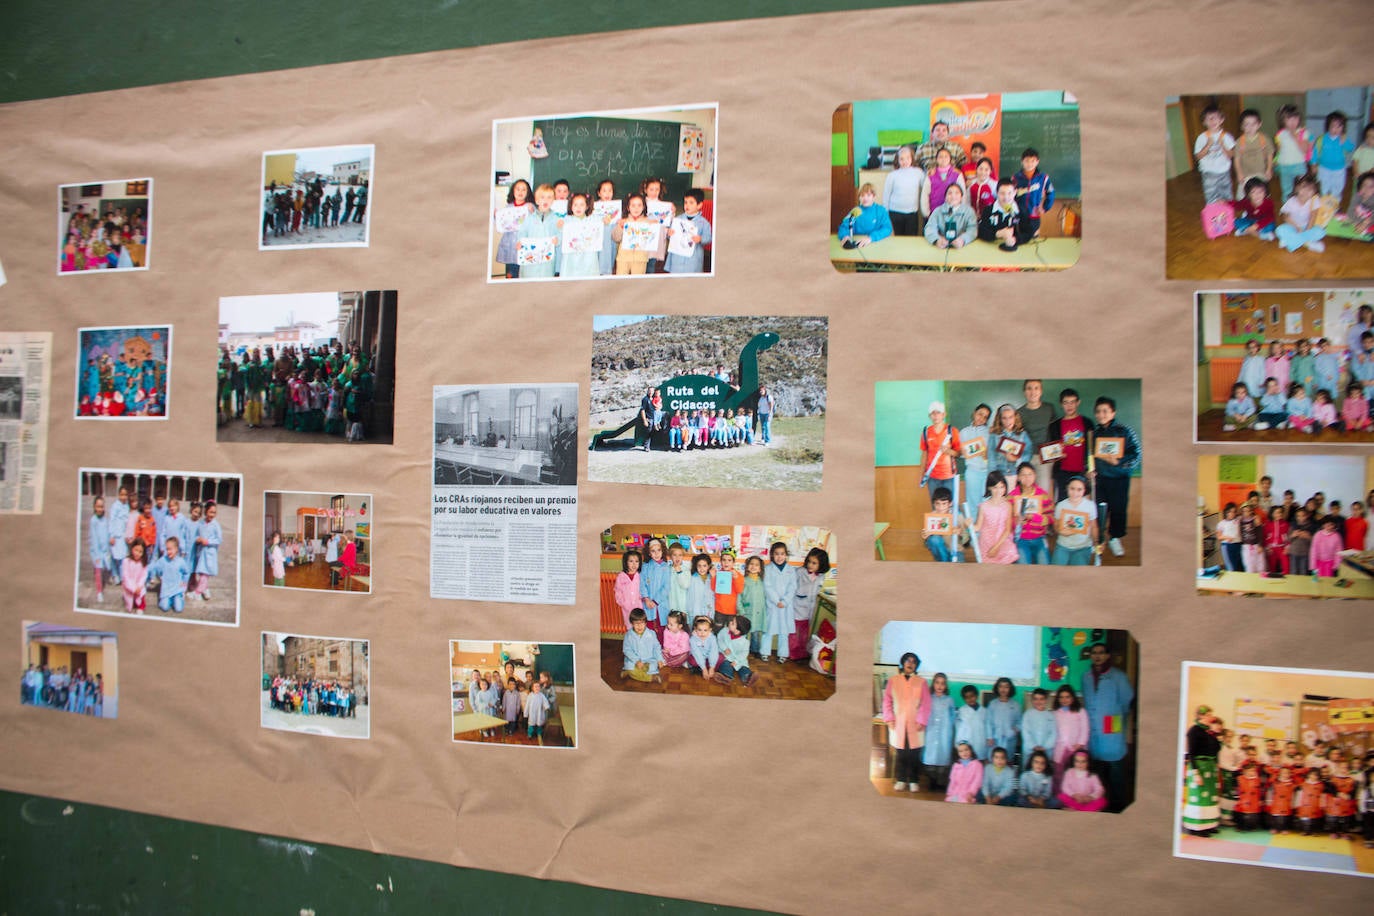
(1276, 541)
(1356, 527)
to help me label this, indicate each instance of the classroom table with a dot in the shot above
(502, 465)
(1287, 587)
(364, 581)
(567, 718)
(880, 529)
(910, 252)
(464, 722)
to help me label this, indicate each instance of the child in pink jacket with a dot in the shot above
(965, 777)
(1326, 549)
(627, 596)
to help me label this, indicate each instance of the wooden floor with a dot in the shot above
(1209, 429)
(521, 737)
(1190, 255)
(906, 544)
(304, 575)
(775, 681)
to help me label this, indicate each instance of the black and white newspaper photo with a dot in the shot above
(504, 523)
(25, 359)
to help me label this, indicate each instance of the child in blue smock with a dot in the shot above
(868, 222)
(1241, 410)
(543, 223)
(700, 229)
(1004, 717)
(779, 584)
(642, 652)
(701, 592)
(209, 535)
(579, 261)
(1326, 366)
(999, 780)
(1038, 730)
(705, 650)
(102, 559)
(605, 194)
(938, 753)
(655, 581)
(971, 724)
(1035, 788)
(1331, 155)
(172, 572)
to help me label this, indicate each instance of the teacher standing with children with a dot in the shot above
(906, 710)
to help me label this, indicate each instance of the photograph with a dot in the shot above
(160, 545)
(719, 610)
(1037, 474)
(987, 182)
(519, 693)
(317, 197)
(505, 435)
(709, 401)
(1285, 525)
(70, 669)
(11, 397)
(104, 226)
(315, 685)
(1285, 366)
(1276, 768)
(1276, 184)
(1044, 716)
(603, 194)
(123, 373)
(317, 541)
(307, 367)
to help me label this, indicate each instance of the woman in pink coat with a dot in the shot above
(906, 710)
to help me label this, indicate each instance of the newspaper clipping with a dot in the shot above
(24, 362)
(504, 523)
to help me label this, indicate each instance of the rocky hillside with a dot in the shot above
(626, 360)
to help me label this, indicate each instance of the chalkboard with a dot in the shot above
(1053, 134)
(557, 660)
(625, 150)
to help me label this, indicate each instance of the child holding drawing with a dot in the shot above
(631, 260)
(1075, 523)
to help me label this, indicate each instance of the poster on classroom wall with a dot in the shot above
(971, 119)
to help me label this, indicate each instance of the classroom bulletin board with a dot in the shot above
(631, 806)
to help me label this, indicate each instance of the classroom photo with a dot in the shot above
(123, 373)
(317, 198)
(1276, 768)
(1006, 715)
(517, 693)
(709, 401)
(70, 669)
(969, 182)
(307, 367)
(719, 610)
(505, 435)
(1004, 471)
(315, 685)
(1285, 526)
(104, 226)
(1270, 185)
(317, 541)
(1285, 366)
(588, 195)
(159, 545)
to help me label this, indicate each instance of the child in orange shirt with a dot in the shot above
(1311, 803)
(1356, 527)
(1249, 796)
(939, 447)
(727, 583)
(1279, 803)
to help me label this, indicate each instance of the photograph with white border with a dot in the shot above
(25, 373)
(1257, 348)
(70, 669)
(504, 500)
(124, 372)
(521, 694)
(600, 194)
(104, 226)
(1275, 768)
(159, 545)
(315, 685)
(316, 197)
(317, 541)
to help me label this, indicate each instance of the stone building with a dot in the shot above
(341, 660)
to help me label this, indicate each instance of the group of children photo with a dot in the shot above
(314, 367)
(70, 669)
(1027, 484)
(509, 693)
(956, 185)
(626, 193)
(315, 685)
(1296, 175)
(1277, 768)
(123, 372)
(309, 697)
(316, 198)
(1023, 746)
(718, 619)
(104, 226)
(60, 689)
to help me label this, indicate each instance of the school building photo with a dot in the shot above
(954, 183)
(1006, 715)
(1285, 366)
(1275, 767)
(719, 610)
(1269, 184)
(516, 693)
(71, 669)
(1285, 525)
(1003, 471)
